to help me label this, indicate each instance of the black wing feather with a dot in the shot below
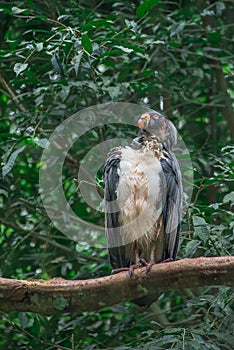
(173, 204)
(111, 181)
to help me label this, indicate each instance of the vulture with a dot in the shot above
(143, 199)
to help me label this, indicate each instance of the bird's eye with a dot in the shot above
(158, 116)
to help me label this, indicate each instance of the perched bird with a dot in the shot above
(143, 199)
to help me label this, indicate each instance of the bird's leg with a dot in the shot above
(137, 257)
(151, 263)
(132, 267)
(158, 235)
(137, 261)
(152, 260)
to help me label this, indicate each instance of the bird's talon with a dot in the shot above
(167, 260)
(138, 263)
(121, 269)
(148, 267)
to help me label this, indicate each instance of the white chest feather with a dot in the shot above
(139, 193)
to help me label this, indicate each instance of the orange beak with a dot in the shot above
(144, 120)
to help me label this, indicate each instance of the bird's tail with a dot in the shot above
(147, 300)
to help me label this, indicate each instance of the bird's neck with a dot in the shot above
(151, 143)
(147, 143)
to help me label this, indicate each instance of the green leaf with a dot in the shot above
(20, 67)
(76, 61)
(191, 248)
(57, 64)
(199, 221)
(39, 100)
(11, 161)
(113, 91)
(146, 6)
(124, 49)
(201, 228)
(220, 7)
(16, 10)
(97, 23)
(110, 53)
(23, 319)
(229, 198)
(176, 28)
(43, 143)
(215, 37)
(86, 44)
(5, 193)
(39, 46)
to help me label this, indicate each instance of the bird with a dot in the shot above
(143, 199)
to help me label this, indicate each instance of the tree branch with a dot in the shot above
(11, 94)
(59, 295)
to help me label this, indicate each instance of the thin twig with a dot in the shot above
(11, 94)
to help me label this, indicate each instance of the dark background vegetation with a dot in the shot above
(58, 57)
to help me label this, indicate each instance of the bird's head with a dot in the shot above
(155, 124)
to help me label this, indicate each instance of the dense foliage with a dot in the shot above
(58, 57)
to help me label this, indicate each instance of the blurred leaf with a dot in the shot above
(191, 248)
(199, 221)
(39, 46)
(43, 143)
(57, 64)
(86, 44)
(23, 320)
(16, 10)
(125, 49)
(176, 28)
(20, 67)
(229, 198)
(5, 193)
(220, 7)
(145, 6)
(76, 61)
(11, 161)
